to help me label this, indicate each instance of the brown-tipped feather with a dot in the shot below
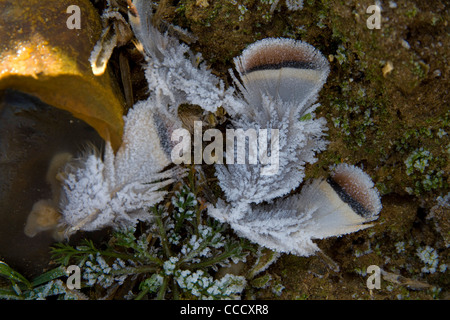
(358, 186)
(275, 53)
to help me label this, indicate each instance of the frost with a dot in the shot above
(175, 75)
(418, 160)
(291, 224)
(116, 32)
(97, 271)
(400, 246)
(253, 203)
(152, 284)
(204, 286)
(294, 5)
(52, 288)
(278, 289)
(299, 136)
(117, 191)
(299, 141)
(430, 257)
(170, 265)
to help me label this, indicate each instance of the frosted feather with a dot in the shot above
(299, 141)
(291, 224)
(291, 70)
(116, 32)
(260, 106)
(118, 190)
(280, 80)
(145, 145)
(359, 186)
(175, 74)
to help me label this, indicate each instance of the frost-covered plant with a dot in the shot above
(292, 5)
(400, 246)
(204, 286)
(430, 257)
(176, 256)
(418, 160)
(421, 166)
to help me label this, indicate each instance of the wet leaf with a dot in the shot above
(13, 275)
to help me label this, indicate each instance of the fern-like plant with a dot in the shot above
(175, 256)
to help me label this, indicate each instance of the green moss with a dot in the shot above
(411, 13)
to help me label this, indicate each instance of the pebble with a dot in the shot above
(437, 73)
(388, 67)
(405, 44)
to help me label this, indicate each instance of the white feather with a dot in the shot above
(118, 190)
(291, 224)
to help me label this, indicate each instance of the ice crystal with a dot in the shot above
(291, 224)
(175, 75)
(51, 288)
(259, 106)
(430, 257)
(205, 287)
(299, 141)
(97, 270)
(294, 5)
(117, 190)
(170, 265)
(418, 160)
(400, 246)
(202, 248)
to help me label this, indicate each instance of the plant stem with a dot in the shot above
(137, 270)
(162, 290)
(142, 294)
(210, 262)
(176, 294)
(162, 234)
